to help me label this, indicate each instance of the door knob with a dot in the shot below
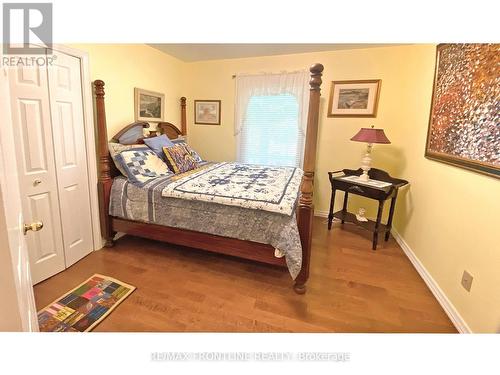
(37, 182)
(35, 227)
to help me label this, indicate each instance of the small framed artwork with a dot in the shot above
(207, 112)
(149, 105)
(354, 98)
(464, 127)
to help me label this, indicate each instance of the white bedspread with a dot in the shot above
(273, 189)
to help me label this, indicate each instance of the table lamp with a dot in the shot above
(369, 136)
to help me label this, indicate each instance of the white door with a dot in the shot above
(51, 162)
(30, 108)
(66, 101)
(13, 220)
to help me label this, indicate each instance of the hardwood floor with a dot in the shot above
(351, 289)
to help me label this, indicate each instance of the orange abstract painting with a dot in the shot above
(464, 126)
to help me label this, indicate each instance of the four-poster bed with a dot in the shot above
(256, 251)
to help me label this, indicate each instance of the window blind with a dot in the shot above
(270, 135)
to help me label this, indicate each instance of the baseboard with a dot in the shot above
(438, 293)
(321, 213)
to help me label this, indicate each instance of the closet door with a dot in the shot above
(32, 127)
(65, 91)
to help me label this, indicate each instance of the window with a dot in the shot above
(271, 134)
(271, 118)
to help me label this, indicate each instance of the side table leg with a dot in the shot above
(389, 221)
(344, 207)
(330, 215)
(377, 224)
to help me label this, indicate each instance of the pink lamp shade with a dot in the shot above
(370, 135)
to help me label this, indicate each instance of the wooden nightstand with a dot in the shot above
(380, 193)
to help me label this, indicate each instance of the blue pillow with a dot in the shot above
(157, 143)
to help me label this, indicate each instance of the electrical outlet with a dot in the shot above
(467, 280)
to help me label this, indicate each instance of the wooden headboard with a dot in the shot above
(130, 134)
(134, 133)
(170, 130)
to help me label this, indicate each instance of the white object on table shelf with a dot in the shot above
(360, 216)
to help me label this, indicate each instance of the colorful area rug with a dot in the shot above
(84, 307)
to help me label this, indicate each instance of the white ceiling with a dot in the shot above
(200, 52)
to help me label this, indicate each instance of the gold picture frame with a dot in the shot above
(355, 98)
(149, 105)
(207, 112)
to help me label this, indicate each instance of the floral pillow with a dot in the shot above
(194, 154)
(142, 165)
(179, 158)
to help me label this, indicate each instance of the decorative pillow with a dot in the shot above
(142, 165)
(179, 158)
(182, 141)
(157, 143)
(116, 148)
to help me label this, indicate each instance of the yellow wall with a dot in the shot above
(125, 66)
(449, 216)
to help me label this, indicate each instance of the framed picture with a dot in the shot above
(207, 112)
(464, 127)
(149, 105)
(354, 98)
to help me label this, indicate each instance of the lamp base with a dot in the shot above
(366, 163)
(364, 177)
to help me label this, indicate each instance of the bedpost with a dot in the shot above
(306, 206)
(104, 181)
(183, 116)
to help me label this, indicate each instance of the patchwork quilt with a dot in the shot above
(268, 188)
(142, 165)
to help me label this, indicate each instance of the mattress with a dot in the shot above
(146, 204)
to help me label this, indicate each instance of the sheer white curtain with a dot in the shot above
(256, 93)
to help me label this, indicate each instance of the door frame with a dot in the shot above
(10, 189)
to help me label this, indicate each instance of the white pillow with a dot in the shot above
(142, 165)
(116, 148)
